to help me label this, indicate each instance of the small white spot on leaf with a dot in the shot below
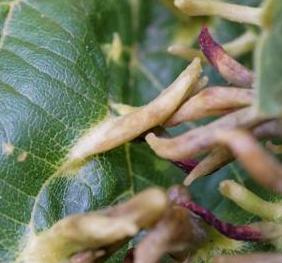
(22, 157)
(8, 148)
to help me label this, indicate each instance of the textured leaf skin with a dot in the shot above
(269, 67)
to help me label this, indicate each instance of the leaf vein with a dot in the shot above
(13, 219)
(17, 189)
(49, 18)
(39, 107)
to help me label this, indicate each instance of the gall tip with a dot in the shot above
(209, 46)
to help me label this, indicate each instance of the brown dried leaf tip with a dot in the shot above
(230, 69)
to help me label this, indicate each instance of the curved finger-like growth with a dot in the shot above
(96, 230)
(212, 101)
(261, 165)
(220, 156)
(229, 68)
(237, 47)
(116, 131)
(236, 13)
(175, 233)
(216, 159)
(250, 201)
(203, 138)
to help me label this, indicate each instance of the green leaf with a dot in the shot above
(53, 86)
(269, 66)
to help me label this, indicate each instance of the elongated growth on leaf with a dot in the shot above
(220, 156)
(96, 230)
(202, 139)
(230, 69)
(236, 13)
(212, 101)
(251, 202)
(242, 44)
(176, 232)
(216, 159)
(238, 47)
(185, 52)
(116, 131)
(261, 165)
